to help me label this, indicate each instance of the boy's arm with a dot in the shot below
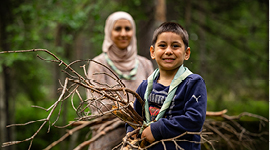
(192, 116)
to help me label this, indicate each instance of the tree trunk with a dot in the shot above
(160, 14)
(188, 14)
(10, 106)
(3, 112)
(56, 74)
(147, 28)
(6, 100)
(202, 41)
(68, 55)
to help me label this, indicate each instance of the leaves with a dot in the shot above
(234, 66)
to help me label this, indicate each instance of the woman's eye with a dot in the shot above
(117, 29)
(127, 28)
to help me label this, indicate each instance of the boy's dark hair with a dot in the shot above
(171, 27)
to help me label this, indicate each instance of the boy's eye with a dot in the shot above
(176, 46)
(162, 45)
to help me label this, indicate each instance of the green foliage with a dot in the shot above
(236, 47)
(235, 107)
(25, 112)
(234, 62)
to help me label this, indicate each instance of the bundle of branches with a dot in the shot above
(118, 95)
(109, 101)
(230, 132)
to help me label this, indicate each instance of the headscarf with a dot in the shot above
(124, 60)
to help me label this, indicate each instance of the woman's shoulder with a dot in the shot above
(93, 67)
(143, 59)
(146, 63)
(100, 58)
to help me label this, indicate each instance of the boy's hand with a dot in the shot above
(147, 133)
(132, 139)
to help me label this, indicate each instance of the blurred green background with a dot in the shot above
(228, 40)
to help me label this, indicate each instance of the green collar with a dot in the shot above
(130, 76)
(181, 74)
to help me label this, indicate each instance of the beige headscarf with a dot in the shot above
(124, 60)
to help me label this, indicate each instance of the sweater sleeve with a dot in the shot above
(93, 68)
(191, 117)
(147, 65)
(150, 68)
(95, 79)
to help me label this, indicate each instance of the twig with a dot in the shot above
(69, 132)
(120, 97)
(100, 134)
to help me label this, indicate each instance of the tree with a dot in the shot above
(234, 32)
(6, 99)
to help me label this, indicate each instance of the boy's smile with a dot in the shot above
(169, 51)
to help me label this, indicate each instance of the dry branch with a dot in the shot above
(118, 94)
(79, 125)
(119, 108)
(232, 132)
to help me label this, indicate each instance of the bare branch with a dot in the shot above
(114, 101)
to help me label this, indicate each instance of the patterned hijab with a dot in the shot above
(124, 60)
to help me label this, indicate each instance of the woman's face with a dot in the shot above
(122, 33)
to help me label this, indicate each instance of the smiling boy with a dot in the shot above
(175, 98)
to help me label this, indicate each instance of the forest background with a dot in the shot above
(228, 40)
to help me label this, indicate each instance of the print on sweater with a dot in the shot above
(153, 112)
(196, 98)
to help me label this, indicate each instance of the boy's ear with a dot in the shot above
(187, 53)
(152, 52)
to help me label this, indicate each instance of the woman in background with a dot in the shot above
(120, 55)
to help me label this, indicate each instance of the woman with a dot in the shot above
(120, 55)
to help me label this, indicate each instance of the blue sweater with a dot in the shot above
(186, 113)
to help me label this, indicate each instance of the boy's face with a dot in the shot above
(169, 51)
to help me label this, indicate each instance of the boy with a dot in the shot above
(175, 99)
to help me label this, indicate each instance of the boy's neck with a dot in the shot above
(166, 77)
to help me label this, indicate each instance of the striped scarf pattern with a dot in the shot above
(130, 76)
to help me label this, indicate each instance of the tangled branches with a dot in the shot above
(118, 95)
(230, 130)
(115, 101)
